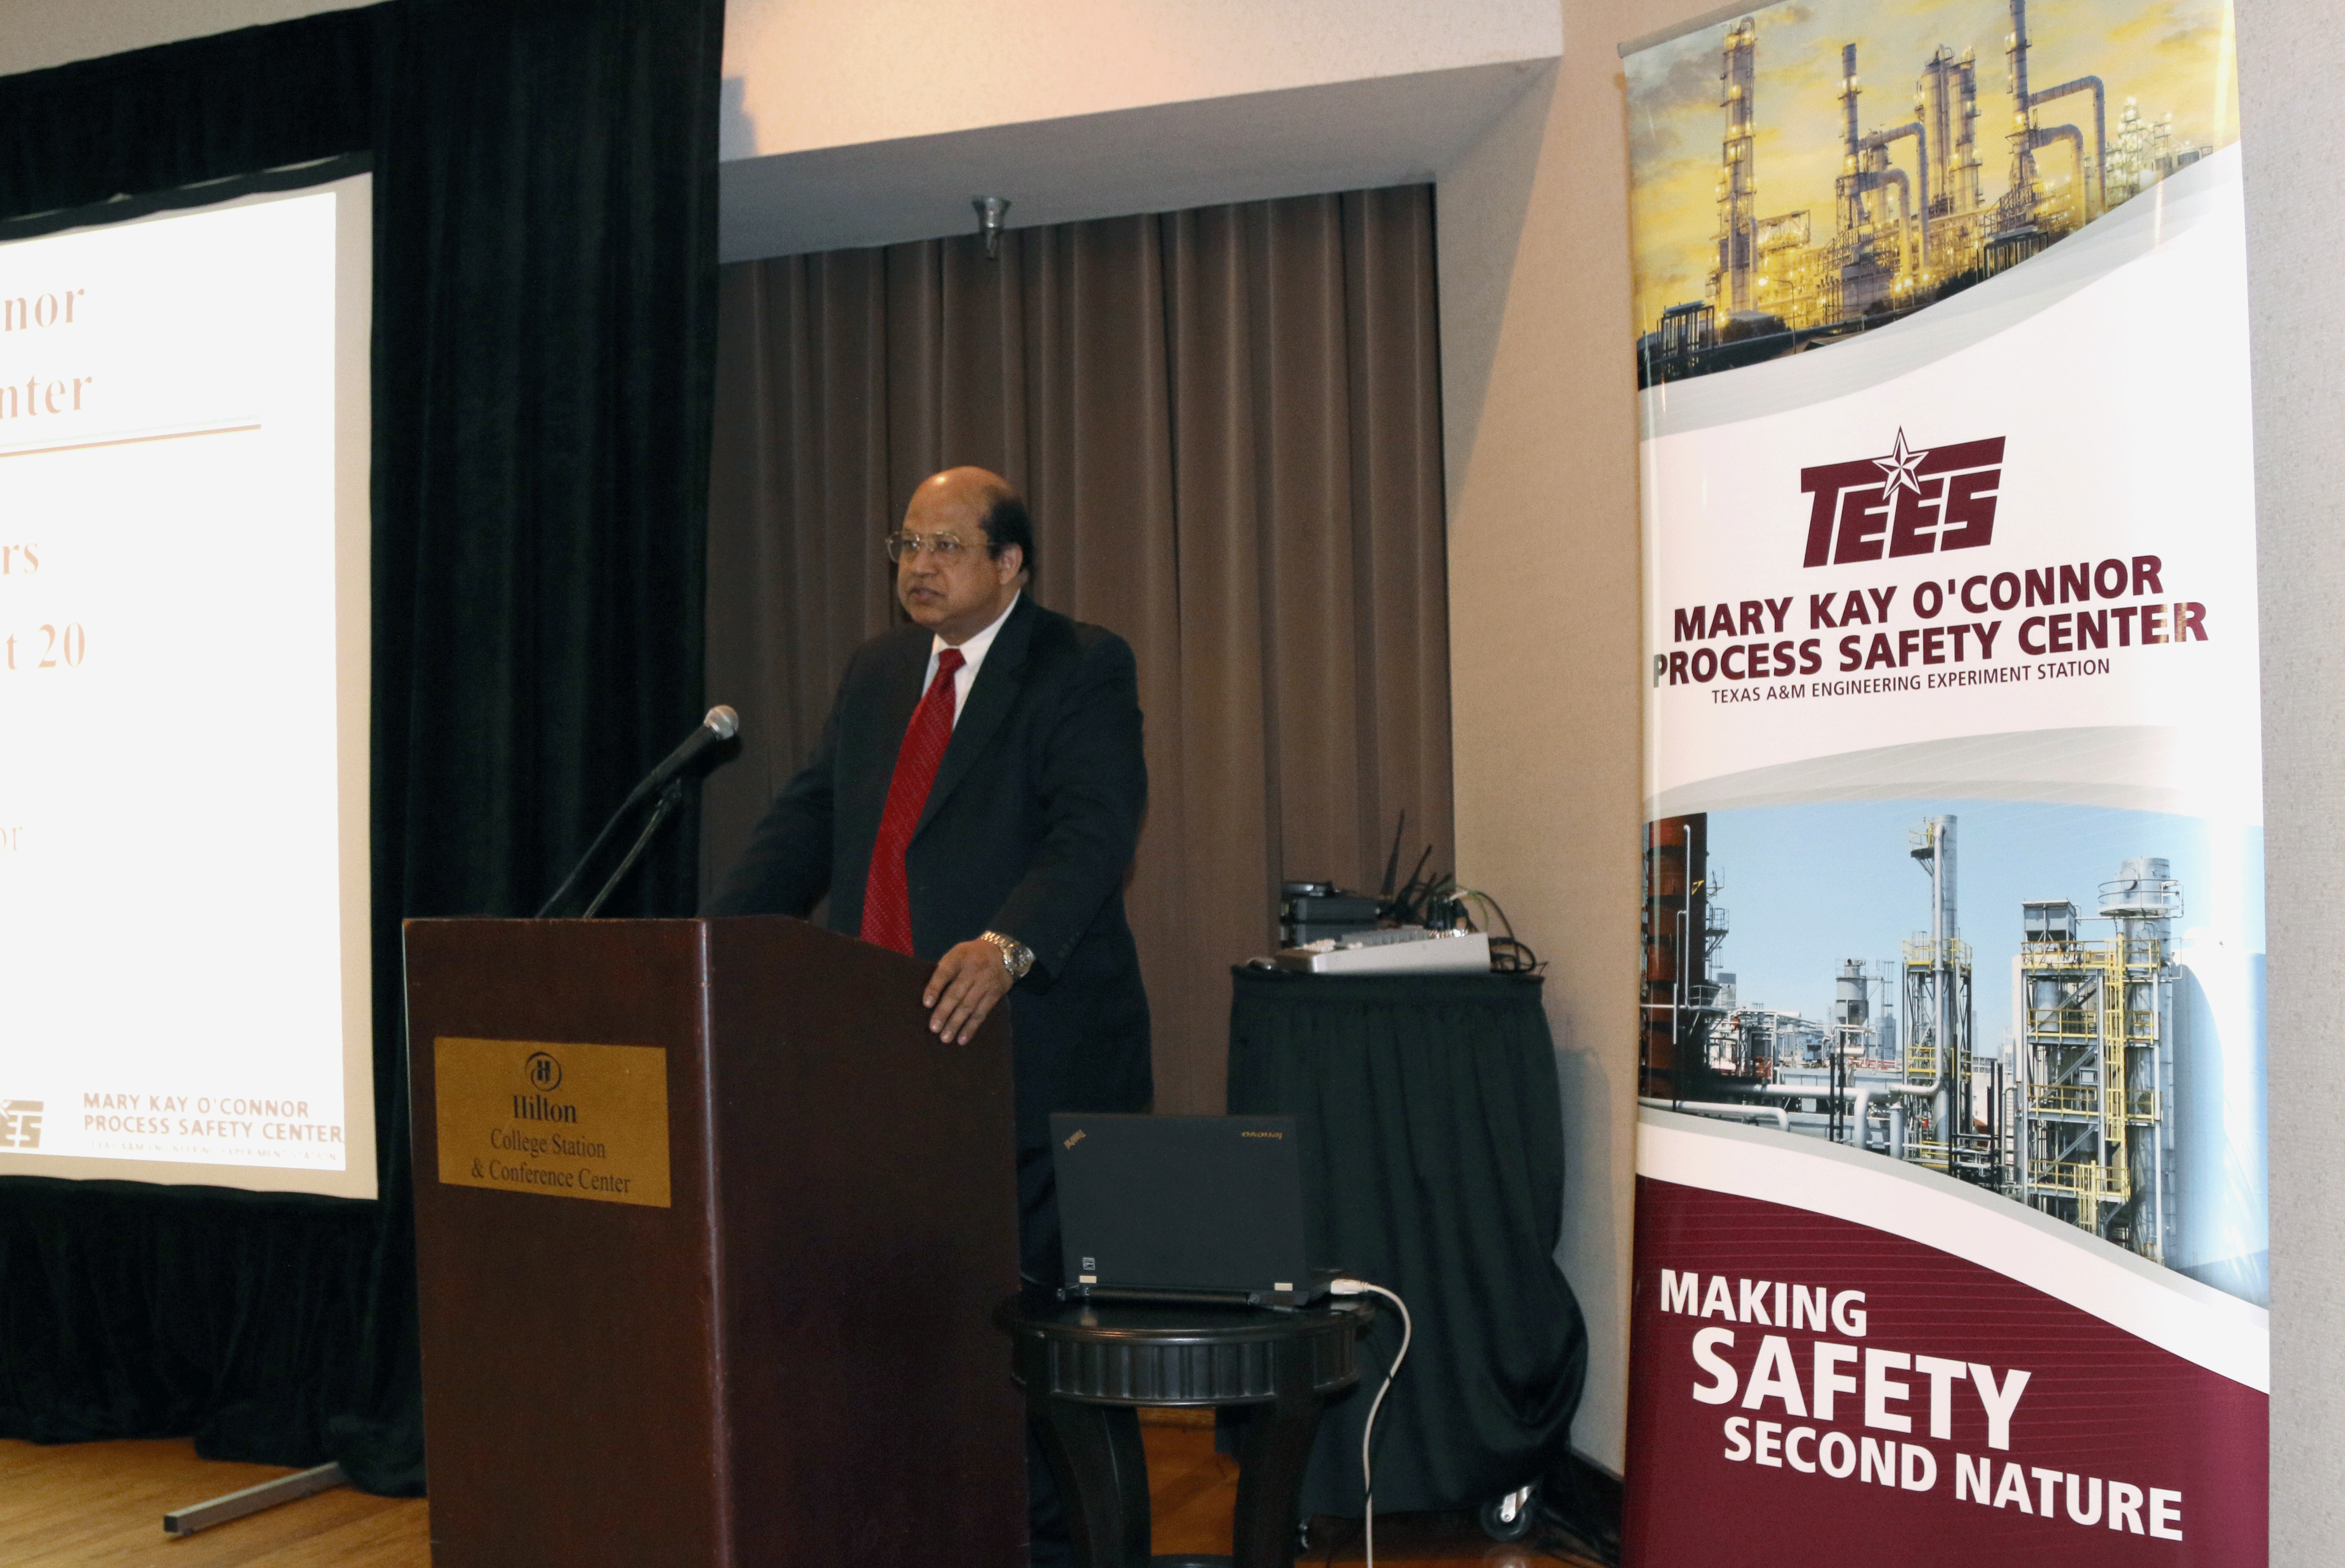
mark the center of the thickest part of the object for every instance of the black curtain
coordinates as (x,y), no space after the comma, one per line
(135,124)
(543,332)
(1435,1167)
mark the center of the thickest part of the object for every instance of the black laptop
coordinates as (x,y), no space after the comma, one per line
(1185,1208)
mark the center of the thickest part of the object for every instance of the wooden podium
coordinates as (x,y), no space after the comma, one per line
(708,1229)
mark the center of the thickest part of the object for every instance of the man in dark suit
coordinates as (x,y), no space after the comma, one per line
(1010,861)
(976,801)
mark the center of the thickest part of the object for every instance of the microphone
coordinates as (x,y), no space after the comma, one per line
(721,724)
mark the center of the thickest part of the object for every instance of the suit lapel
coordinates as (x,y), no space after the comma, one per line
(900,690)
(891,693)
(989,699)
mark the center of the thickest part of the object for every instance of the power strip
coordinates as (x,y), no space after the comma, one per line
(1383,952)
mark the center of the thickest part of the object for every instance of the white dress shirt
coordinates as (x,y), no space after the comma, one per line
(973,655)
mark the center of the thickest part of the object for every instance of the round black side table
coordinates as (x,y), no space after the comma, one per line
(1088,1368)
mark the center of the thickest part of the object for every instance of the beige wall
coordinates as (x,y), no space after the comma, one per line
(1540,396)
(811,74)
(35,34)
(2288,50)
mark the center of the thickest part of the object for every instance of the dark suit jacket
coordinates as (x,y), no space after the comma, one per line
(1029,830)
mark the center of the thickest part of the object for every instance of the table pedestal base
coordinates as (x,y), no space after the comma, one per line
(1087,1372)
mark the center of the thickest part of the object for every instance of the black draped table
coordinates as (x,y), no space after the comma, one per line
(1437,1170)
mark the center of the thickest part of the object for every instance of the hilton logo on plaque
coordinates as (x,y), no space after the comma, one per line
(605,1139)
(544,1072)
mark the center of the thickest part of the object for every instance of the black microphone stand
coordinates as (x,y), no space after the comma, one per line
(721,725)
(669,798)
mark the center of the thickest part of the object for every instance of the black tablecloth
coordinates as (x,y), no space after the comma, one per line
(1434,1167)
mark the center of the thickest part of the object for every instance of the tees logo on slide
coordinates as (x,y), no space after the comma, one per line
(20,1123)
(1910,502)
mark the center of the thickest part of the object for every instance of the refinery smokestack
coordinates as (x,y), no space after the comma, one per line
(1738,196)
(1935,853)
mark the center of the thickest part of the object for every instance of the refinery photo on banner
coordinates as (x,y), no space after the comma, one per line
(1951,1239)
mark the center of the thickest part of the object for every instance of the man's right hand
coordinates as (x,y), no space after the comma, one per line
(971,978)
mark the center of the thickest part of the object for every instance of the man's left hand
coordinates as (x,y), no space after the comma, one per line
(969,980)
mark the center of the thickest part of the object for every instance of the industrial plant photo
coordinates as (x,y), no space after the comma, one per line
(1813,171)
(2016,996)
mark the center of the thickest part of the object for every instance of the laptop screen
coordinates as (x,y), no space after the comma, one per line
(1183,1204)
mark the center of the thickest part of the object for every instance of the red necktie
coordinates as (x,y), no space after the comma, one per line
(887,901)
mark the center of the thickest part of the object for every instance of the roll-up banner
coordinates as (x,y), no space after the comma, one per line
(1951,1238)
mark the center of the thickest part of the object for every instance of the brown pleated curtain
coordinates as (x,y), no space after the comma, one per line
(1226,422)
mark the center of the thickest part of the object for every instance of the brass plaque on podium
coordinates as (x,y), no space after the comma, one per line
(555,1120)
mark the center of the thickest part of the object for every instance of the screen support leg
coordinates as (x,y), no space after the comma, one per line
(253,1498)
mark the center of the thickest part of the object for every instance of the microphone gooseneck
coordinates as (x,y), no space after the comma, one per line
(721,724)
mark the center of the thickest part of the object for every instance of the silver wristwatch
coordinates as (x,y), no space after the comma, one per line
(1016,956)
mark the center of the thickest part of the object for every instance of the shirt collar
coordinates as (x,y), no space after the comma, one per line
(972,652)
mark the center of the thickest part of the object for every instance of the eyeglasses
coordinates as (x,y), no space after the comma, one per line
(945,547)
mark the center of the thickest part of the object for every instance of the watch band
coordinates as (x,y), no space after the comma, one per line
(1016,956)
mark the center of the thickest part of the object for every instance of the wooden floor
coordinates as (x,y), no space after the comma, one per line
(97,1505)
(1192,1490)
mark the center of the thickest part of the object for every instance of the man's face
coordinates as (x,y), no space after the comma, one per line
(960,593)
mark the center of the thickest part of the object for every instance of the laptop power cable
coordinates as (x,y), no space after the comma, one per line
(1368,1428)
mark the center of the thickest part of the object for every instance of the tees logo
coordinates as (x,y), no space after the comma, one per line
(1913,500)
(20,1124)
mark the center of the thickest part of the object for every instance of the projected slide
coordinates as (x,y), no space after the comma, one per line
(184,966)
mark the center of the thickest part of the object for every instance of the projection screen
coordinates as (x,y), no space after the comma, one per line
(185,970)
